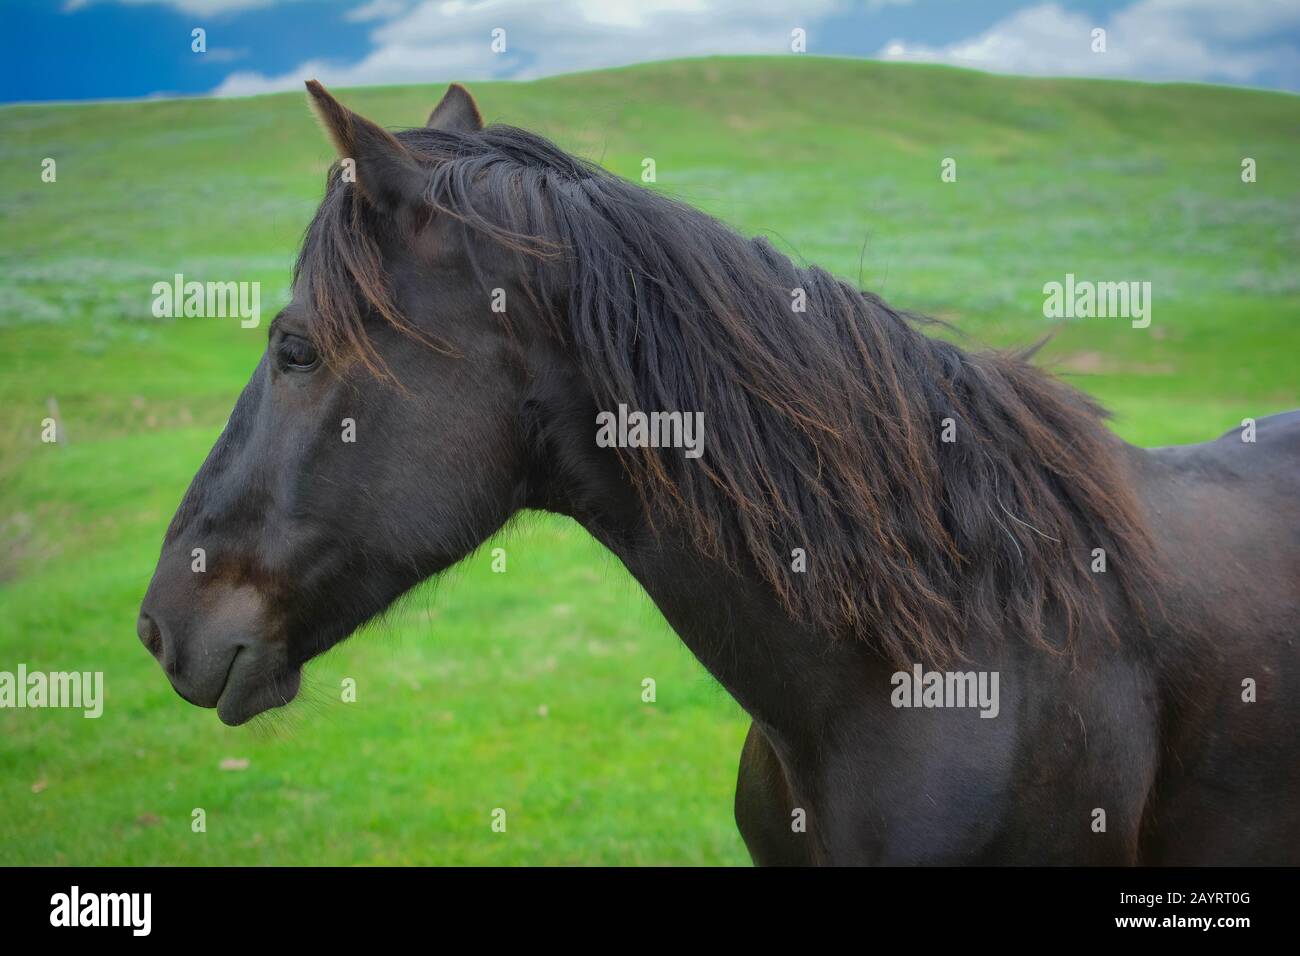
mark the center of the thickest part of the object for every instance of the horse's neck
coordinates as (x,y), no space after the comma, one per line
(732,623)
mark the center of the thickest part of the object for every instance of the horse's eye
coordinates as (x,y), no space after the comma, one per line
(296,354)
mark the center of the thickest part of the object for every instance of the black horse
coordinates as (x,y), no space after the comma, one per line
(970,624)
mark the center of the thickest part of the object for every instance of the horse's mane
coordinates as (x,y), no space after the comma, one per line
(824,427)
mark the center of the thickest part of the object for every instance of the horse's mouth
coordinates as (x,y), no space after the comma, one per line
(248,693)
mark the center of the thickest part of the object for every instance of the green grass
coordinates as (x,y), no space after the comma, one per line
(523,690)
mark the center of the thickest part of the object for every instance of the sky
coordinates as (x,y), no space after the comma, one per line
(120,49)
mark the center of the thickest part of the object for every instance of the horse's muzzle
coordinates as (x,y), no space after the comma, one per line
(216,651)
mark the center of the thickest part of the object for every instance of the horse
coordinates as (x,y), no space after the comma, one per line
(969,624)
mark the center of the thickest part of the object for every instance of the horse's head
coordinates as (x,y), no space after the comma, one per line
(379,440)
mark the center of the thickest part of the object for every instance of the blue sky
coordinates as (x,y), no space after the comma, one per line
(92,49)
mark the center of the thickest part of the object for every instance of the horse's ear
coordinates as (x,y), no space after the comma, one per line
(457,113)
(387,173)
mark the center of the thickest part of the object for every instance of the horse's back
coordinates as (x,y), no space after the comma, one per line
(1229,509)
(1226,516)
(1265,450)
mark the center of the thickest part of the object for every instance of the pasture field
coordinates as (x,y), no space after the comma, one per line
(522,690)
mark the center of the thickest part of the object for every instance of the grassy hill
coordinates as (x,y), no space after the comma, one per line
(522,690)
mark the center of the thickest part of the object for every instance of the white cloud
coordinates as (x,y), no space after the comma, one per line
(1152,39)
(450,39)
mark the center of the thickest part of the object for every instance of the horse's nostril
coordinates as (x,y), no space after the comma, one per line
(150,634)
